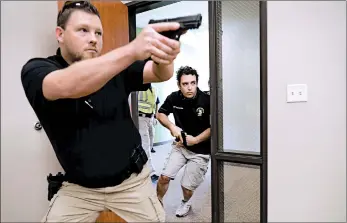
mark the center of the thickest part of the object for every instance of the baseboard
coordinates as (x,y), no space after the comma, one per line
(162,143)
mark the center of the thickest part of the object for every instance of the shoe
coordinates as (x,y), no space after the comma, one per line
(154,177)
(183,209)
(152,150)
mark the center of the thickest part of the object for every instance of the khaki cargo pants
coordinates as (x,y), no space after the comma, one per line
(196,166)
(134,200)
(146,129)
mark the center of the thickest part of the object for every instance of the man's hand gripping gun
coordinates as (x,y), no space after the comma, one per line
(186,23)
(184,138)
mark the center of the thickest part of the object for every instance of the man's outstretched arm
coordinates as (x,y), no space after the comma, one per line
(164,120)
(157,72)
(86,77)
(165,110)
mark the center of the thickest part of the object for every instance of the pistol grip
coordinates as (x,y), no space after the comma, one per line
(184,138)
(176,34)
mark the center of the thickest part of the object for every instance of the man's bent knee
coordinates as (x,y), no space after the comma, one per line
(86,206)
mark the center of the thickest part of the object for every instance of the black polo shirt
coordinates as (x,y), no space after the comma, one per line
(92,136)
(191,115)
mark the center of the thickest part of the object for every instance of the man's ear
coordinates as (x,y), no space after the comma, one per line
(59,34)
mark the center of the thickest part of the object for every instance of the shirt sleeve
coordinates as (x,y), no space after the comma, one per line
(167,107)
(32,75)
(133,77)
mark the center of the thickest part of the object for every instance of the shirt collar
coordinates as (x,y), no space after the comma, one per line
(60,58)
(198,91)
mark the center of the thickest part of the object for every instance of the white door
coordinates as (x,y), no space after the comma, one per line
(26,154)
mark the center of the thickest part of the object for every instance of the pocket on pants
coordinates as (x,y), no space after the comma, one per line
(51,202)
(158,208)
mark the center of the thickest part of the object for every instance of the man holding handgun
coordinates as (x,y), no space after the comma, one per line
(191,109)
(81,100)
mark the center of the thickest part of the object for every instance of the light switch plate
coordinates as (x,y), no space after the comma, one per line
(296,93)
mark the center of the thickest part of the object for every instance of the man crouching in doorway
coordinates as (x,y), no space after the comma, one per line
(191,110)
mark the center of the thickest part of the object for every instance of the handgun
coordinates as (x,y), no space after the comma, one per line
(186,23)
(54,184)
(184,135)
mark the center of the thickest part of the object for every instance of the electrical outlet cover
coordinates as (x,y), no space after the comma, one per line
(296,93)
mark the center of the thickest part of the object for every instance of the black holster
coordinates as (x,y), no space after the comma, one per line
(54,184)
(138,159)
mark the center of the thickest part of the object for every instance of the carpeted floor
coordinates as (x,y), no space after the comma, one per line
(241,193)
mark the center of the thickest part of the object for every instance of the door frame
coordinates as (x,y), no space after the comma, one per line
(219,157)
(135,7)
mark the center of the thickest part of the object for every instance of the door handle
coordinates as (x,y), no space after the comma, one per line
(38,126)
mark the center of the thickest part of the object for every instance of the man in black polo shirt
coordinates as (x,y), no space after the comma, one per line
(191,110)
(81,101)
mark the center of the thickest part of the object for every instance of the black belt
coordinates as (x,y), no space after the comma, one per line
(146,115)
(137,161)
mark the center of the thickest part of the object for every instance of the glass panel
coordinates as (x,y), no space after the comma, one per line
(239,88)
(241,193)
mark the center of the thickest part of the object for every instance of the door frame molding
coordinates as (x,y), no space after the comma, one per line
(218,157)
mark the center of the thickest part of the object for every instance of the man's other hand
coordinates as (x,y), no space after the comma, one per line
(150,44)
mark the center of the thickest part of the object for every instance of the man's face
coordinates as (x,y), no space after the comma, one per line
(82,37)
(188,85)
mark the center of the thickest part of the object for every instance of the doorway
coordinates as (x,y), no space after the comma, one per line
(238,88)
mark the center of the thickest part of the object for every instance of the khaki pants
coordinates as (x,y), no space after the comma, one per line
(196,166)
(146,129)
(134,200)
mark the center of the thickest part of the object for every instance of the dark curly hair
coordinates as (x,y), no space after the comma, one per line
(186,70)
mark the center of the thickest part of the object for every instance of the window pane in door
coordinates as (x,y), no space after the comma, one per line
(239,80)
(241,190)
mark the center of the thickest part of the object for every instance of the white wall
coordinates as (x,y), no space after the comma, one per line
(307,141)
(27,30)
(241,76)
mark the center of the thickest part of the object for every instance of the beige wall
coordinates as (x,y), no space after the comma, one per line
(27,30)
(307,141)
